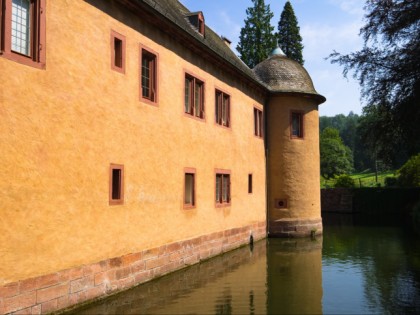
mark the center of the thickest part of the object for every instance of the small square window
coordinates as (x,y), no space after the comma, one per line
(117,52)
(116,184)
(189,188)
(296,125)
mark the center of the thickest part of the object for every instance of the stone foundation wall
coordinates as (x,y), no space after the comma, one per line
(67,288)
(295,227)
(339,200)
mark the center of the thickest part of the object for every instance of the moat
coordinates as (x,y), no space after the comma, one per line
(355,268)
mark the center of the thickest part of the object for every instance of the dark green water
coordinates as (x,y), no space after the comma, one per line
(356,268)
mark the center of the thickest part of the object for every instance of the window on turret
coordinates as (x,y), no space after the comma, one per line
(296,125)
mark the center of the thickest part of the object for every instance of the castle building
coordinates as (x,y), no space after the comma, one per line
(134,143)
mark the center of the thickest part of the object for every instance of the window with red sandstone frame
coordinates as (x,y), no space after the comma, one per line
(117,52)
(222,109)
(22,31)
(222,188)
(116,184)
(194,97)
(258,122)
(148,75)
(296,125)
(189,188)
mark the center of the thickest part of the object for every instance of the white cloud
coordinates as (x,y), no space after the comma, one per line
(353,7)
(321,39)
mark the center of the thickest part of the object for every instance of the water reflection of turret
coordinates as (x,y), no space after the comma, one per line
(294,276)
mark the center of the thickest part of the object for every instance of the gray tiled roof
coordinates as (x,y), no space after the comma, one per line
(177,13)
(281,74)
(276,74)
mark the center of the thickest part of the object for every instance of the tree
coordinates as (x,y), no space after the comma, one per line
(288,36)
(388,70)
(409,173)
(256,40)
(336,158)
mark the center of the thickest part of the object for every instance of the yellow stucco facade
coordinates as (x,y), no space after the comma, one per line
(62,127)
(64,123)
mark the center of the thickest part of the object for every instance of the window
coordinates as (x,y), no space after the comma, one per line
(194,97)
(189,188)
(222,188)
(148,76)
(249,183)
(258,122)
(117,52)
(197,20)
(22,31)
(222,109)
(296,125)
(116,184)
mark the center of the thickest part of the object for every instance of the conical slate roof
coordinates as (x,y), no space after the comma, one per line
(283,75)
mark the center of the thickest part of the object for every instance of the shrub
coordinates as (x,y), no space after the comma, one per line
(409,173)
(344,181)
(390,181)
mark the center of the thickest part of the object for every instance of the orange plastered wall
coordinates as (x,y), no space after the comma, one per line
(60,128)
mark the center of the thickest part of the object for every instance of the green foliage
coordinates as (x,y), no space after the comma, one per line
(289,38)
(350,132)
(388,70)
(344,181)
(256,40)
(391,181)
(409,173)
(336,158)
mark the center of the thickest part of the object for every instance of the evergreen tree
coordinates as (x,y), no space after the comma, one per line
(256,40)
(289,37)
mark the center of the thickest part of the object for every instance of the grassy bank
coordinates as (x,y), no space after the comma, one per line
(363,179)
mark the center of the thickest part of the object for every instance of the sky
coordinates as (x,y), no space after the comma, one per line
(325,26)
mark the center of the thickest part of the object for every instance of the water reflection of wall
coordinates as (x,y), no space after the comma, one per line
(228,283)
(294,276)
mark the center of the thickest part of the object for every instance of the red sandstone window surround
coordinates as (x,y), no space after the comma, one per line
(116,184)
(149,75)
(249,183)
(22,31)
(258,122)
(222,109)
(194,97)
(223,188)
(296,125)
(117,52)
(189,188)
